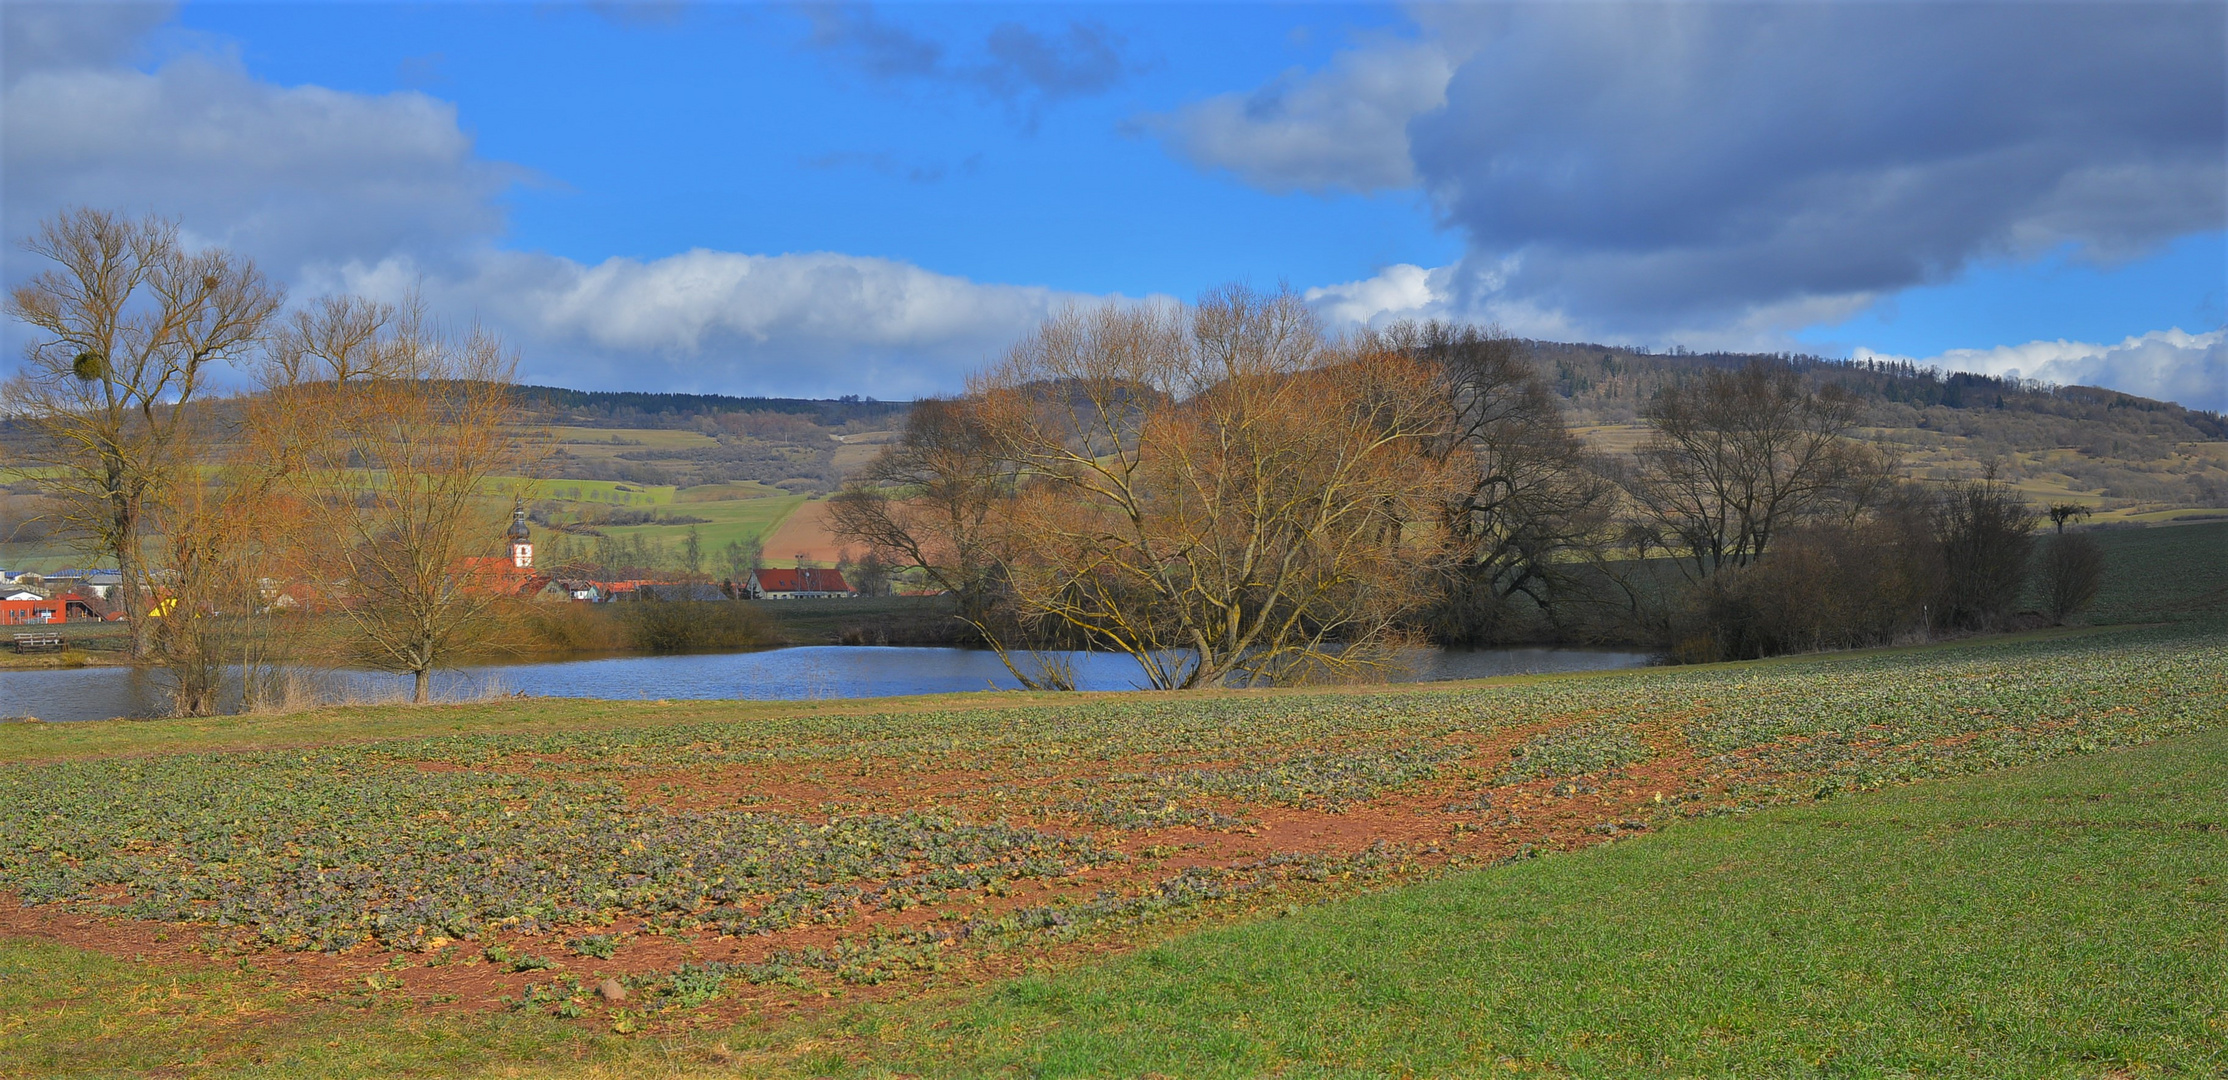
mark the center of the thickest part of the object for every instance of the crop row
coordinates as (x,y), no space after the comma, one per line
(322,852)
(410,842)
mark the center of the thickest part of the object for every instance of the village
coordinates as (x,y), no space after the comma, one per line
(35,606)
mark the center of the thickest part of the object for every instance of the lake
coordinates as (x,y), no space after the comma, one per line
(805,672)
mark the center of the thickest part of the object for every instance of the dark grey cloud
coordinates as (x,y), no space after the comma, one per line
(1662,161)
(1637,168)
(1020,66)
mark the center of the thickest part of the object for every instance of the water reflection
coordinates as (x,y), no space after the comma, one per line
(778,674)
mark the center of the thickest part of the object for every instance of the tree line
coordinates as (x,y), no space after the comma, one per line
(1230,494)
(356,473)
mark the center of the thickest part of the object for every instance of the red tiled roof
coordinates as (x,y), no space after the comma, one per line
(809,579)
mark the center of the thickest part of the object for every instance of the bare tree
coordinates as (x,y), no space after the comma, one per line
(219,542)
(2072,573)
(343,339)
(928,501)
(1987,535)
(1735,457)
(397,469)
(127,325)
(1216,491)
(1533,498)
(2061,513)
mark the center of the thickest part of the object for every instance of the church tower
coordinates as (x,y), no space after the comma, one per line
(522,539)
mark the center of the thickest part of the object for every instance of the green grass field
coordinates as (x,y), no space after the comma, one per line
(854,887)
(2065,920)
(729,520)
(2170,573)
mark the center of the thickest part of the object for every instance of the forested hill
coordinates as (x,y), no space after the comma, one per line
(2080,442)
(1602,384)
(1605,384)
(631,408)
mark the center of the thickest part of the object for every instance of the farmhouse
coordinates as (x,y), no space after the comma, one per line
(570,589)
(802,583)
(31,609)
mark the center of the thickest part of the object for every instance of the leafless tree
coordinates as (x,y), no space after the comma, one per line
(928,501)
(1987,535)
(127,324)
(344,339)
(1533,500)
(219,543)
(1735,457)
(1217,491)
(2072,567)
(397,468)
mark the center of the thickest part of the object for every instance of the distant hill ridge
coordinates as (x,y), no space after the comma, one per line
(1602,384)
(609,406)
(1614,380)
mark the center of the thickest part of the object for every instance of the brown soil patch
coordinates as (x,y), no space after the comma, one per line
(805,531)
(1463,817)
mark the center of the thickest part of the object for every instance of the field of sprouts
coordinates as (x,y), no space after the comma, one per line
(671,873)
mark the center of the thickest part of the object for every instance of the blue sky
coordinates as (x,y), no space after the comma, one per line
(721,127)
(849,199)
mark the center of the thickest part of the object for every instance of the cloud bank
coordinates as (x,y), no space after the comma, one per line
(1733,170)
(2169,365)
(818,324)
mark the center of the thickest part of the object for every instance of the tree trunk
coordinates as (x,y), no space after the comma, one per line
(136,600)
(425,686)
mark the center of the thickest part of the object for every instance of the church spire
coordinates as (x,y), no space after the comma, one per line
(521,538)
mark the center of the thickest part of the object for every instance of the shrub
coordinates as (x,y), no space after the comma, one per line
(1987,536)
(2072,571)
(1825,586)
(668,626)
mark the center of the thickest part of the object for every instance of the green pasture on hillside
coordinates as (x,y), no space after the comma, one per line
(732,520)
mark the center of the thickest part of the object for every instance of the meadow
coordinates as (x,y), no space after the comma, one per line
(856,886)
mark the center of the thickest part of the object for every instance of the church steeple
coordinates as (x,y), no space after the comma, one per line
(521,538)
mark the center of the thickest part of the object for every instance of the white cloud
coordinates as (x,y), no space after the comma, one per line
(1343,127)
(284,174)
(1400,291)
(1476,291)
(721,322)
(2170,365)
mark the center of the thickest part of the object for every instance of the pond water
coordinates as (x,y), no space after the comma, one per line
(831,671)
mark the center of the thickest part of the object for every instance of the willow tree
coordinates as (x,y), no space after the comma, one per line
(929,500)
(397,476)
(1217,490)
(126,327)
(1531,502)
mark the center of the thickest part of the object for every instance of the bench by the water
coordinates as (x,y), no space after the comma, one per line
(44,642)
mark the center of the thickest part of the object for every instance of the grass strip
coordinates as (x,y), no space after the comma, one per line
(2064,920)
